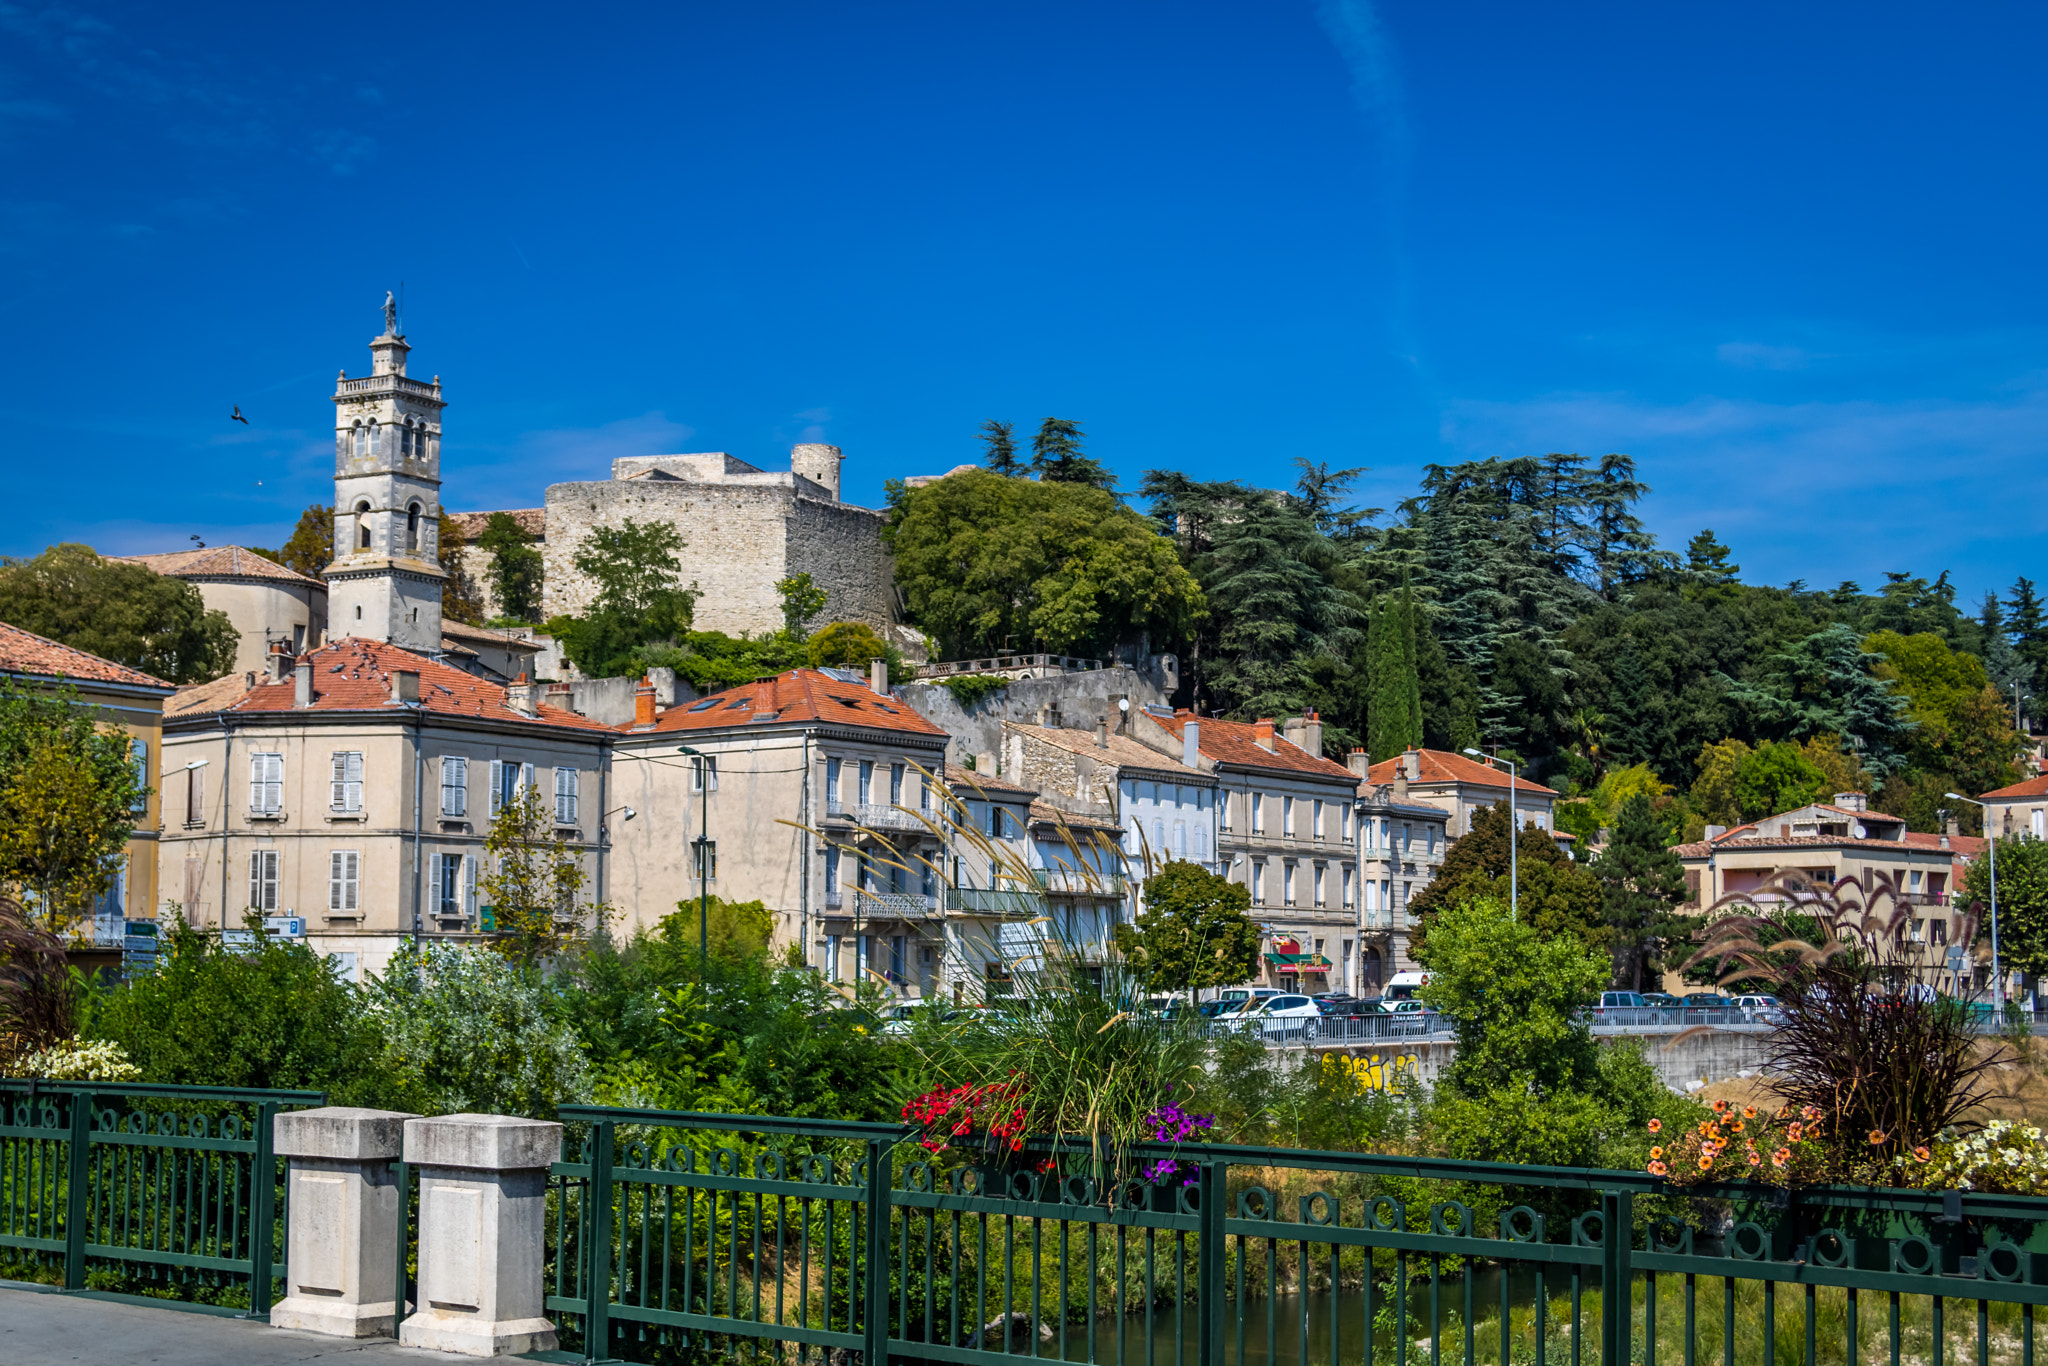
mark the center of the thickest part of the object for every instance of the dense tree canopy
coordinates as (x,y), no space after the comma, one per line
(118,611)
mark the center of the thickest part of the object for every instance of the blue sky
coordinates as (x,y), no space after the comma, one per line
(1790,258)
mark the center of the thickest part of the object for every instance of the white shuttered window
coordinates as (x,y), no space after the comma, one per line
(567,782)
(266,783)
(454,786)
(263,880)
(347,784)
(343,869)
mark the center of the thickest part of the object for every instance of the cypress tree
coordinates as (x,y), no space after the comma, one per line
(1394,708)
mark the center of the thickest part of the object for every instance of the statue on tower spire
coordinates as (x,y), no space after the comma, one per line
(390,315)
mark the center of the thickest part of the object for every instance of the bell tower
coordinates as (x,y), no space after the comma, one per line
(384,582)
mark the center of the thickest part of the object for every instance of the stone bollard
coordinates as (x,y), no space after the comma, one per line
(483,1215)
(341,1260)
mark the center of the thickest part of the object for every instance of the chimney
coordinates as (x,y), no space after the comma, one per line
(1852,801)
(878,676)
(561,696)
(1297,731)
(405,685)
(1191,744)
(1359,761)
(1312,734)
(280,662)
(1102,733)
(643,703)
(521,696)
(302,684)
(1715,832)
(1262,733)
(1411,765)
(1951,828)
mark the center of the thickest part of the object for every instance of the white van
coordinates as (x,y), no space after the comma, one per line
(1405,986)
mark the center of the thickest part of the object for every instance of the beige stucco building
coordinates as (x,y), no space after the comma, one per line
(265,602)
(354,786)
(2019,810)
(120,697)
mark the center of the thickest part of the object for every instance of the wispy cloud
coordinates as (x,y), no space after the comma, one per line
(1362,40)
(1805,489)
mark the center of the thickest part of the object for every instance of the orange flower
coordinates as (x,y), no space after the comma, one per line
(1656,1126)
(1656,1153)
(1749,1112)
(1877,1136)
(1706,1161)
(1754,1159)
(1920,1154)
(1781,1157)
(1809,1113)
(1720,1107)
(1738,1126)
(1795,1131)
(1658,1169)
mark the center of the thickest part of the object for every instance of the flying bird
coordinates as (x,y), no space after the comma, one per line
(238,416)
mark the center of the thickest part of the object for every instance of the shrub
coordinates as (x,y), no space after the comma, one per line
(2005,1157)
(75,1060)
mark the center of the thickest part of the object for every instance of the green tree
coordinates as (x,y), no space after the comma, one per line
(118,611)
(2022,905)
(459,600)
(1641,882)
(801,601)
(1825,685)
(853,645)
(1394,715)
(2027,620)
(640,602)
(1057,458)
(1738,783)
(988,564)
(271,1015)
(1194,932)
(310,546)
(465,1031)
(1517,999)
(1557,896)
(1001,457)
(535,874)
(70,799)
(514,568)
(1709,562)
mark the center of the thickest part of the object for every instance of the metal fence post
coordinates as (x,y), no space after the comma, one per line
(402,1177)
(1209,1241)
(875,1278)
(76,1203)
(597,1281)
(263,1211)
(1617,1218)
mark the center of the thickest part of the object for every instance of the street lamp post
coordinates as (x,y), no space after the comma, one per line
(1991,845)
(703,862)
(1514,837)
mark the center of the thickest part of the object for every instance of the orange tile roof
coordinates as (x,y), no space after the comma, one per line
(356,675)
(1962,846)
(1441,766)
(216,562)
(204,699)
(957,776)
(1237,743)
(25,652)
(2032,787)
(489,635)
(1725,845)
(799,695)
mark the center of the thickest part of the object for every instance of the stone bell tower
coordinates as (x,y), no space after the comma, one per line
(385,580)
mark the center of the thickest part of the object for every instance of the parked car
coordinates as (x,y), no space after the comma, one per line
(1406,986)
(1761,1009)
(1661,1000)
(1342,1003)
(1410,1016)
(1707,1000)
(1622,1000)
(1280,1017)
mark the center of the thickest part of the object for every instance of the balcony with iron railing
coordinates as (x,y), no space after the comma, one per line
(896,905)
(1006,901)
(875,815)
(1078,882)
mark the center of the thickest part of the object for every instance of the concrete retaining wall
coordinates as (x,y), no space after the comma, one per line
(1686,1064)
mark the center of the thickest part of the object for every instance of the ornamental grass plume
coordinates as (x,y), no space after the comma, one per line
(1864,1044)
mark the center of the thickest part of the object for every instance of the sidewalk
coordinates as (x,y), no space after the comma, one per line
(40,1326)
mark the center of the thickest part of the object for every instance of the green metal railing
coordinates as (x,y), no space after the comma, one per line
(134,1187)
(680,1237)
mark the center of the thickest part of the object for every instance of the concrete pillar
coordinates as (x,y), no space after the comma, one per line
(342,1250)
(483,1189)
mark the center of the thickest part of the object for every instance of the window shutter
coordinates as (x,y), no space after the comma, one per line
(256,878)
(497,785)
(352,779)
(335,860)
(526,776)
(351,870)
(469,884)
(436,895)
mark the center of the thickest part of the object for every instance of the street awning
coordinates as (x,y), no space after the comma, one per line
(1299,962)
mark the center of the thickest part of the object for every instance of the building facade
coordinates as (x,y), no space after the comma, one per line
(743,530)
(120,698)
(1285,829)
(2020,810)
(266,603)
(354,787)
(1401,845)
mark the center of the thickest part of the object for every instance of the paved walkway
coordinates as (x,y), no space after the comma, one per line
(40,1326)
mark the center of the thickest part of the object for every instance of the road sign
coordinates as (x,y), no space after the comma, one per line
(1955,958)
(285,926)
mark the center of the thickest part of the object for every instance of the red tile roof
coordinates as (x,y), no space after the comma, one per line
(217,562)
(1237,743)
(25,652)
(204,699)
(1725,845)
(1441,766)
(799,695)
(1962,846)
(1120,750)
(356,675)
(2032,787)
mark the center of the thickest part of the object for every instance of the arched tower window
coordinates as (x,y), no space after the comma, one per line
(372,430)
(405,440)
(412,526)
(363,525)
(356,439)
